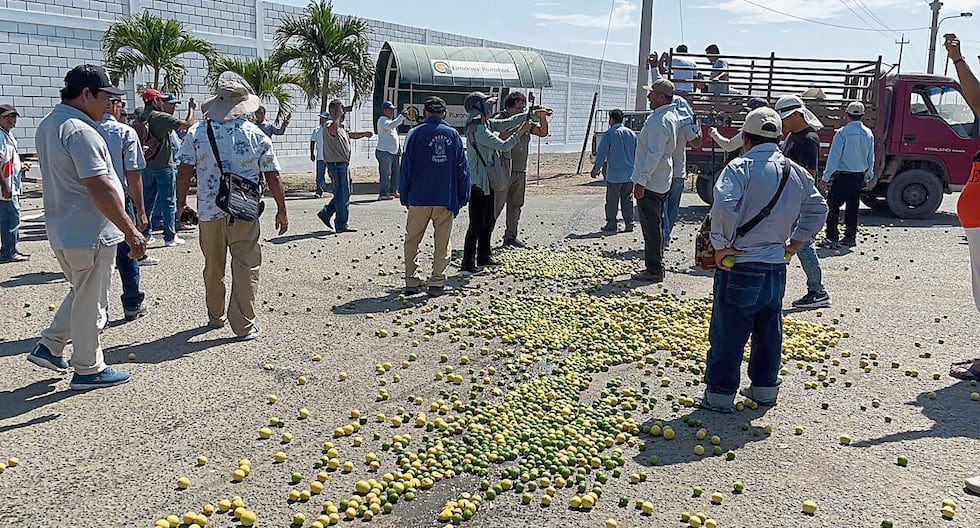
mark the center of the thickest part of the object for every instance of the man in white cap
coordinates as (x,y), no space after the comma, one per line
(803,147)
(388,151)
(652,174)
(850,164)
(246,151)
(763,208)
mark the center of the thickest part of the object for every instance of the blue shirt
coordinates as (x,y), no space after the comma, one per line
(124,147)
(747,185)
(688,130)
(616,148)
(434,171)
(853,150)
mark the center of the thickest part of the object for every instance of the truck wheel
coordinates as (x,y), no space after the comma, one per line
(704,187)
(874,201)
(915,193)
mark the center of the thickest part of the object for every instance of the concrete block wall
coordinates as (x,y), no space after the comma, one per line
(41,39)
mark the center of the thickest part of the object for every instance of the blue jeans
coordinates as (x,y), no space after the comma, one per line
(748,300)
(673,207)
(321,176)
(9,227)
(811,266)
(340,203)
(388,166)
(129,270)
(160,187)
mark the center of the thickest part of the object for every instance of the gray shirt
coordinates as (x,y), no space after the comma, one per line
(124,147)
(70,149)
(336,149)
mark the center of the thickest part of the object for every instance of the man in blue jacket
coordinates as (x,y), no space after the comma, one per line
(434,185)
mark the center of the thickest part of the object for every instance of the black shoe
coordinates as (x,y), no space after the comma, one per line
(813,300)
(346,230)
(325,218)
(608,228)
(471,270)
(628,228)
(412,290)
(132,315)
(437,291)
(848,241)
(828,243)
(487,263)
(514,242)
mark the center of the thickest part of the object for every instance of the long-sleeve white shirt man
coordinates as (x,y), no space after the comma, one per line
(653,168)
(388,133)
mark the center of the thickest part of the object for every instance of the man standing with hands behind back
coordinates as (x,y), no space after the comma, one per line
(336,152)
(85,217)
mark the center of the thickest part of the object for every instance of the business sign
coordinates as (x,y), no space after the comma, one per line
(473,69)
(455,114)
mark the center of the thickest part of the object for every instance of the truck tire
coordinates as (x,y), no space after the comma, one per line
(875,202)
(704,186)
(915,193)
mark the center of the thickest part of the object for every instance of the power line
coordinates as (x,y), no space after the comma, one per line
(828,24)
(866,9)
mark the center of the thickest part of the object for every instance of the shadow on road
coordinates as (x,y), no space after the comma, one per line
(13,348)
(286,239)
(25,399)
(392,302)
(733,429)
(167,348)
(35,278)
(950,412)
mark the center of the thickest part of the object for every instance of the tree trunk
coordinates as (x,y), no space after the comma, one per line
(156,78)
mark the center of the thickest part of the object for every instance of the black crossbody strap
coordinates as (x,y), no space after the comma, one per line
(767,210)
(472,137)
(214,149)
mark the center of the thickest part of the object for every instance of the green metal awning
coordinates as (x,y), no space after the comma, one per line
(418,64)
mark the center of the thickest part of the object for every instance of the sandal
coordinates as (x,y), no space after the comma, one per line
(968,370)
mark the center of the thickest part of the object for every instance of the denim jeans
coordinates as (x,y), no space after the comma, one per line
(748,301)
(388,166)
(9,227)
(340,203)
(129,270)
(811,266)
(673,207)
(651,209)
(159,187)
(321,176)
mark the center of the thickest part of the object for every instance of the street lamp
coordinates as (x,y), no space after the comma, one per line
(935,32)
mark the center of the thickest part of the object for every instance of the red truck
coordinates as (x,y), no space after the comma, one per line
(925,132)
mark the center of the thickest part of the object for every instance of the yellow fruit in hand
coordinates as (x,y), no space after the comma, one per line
(728,261)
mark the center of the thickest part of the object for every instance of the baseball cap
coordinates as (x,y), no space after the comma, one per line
(712,49)
(170,97)
(763,122)
(151,94)
(756,102)
(92,77)
(326,115)
(791,104)
(7,109)
(386,105)
(855,108)
(434,104)
(661,86)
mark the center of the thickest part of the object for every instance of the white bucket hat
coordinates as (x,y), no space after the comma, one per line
(790,104)
(231,100)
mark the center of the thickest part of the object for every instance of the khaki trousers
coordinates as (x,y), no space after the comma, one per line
(241,239)
(418,222)
(82,314)
(513,198)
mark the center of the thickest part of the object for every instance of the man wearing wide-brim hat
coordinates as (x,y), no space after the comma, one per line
(246,151)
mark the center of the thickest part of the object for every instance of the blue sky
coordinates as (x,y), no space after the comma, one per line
(737,26)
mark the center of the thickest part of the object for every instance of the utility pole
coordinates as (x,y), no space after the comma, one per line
(936,5)
(642,75)
(901,47)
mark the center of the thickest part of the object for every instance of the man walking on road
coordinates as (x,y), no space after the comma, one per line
(388,151)
(127,159)
(803,147)
(652,174)
(10,187)
(748,296)
(616,151)
(515,162)
(435,184)
(85,217)
(246,151)
(850,164)
(336,152)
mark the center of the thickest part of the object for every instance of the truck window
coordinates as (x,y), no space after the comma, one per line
(947,103)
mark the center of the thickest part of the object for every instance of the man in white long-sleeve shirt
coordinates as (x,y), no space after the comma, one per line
(748,295)
(652,173)
(388,152)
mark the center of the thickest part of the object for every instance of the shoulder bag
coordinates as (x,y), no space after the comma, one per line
(499,173)
(237,195)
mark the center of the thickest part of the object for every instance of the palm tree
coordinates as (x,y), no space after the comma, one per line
(147,41)
(263,76)
(319,42)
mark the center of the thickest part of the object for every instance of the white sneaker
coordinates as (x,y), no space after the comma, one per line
(177,241)
(150,240)
(149,261)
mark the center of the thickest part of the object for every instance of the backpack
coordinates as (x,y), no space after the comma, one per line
(151,145)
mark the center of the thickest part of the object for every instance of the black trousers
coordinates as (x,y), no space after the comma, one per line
(845,189)
(651,209)
(476,246)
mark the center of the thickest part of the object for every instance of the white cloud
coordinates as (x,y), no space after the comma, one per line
(624,16)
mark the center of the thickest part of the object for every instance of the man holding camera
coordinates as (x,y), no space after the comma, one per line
(388,152)
(336,152)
